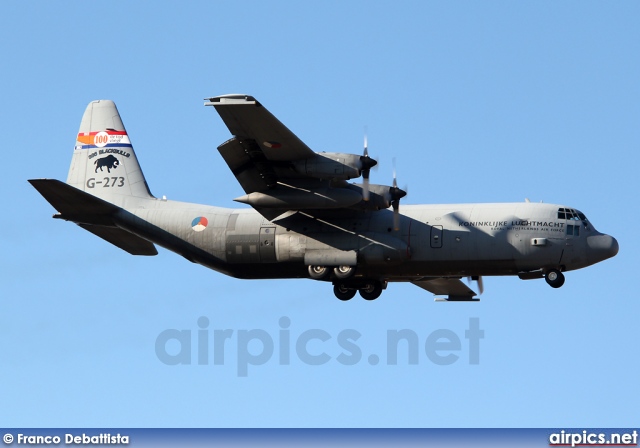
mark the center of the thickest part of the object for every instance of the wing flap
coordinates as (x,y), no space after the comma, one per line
(246,167)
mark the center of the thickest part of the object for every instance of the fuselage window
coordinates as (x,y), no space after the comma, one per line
(573,230)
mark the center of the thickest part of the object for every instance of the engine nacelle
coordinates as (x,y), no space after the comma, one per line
(322,198)
(331,165)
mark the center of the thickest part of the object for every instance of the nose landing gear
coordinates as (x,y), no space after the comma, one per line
(554,278)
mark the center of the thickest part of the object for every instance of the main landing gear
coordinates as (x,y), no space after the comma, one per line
(344,286)
(368,289)
(341,272)
(343,293)
(554,278)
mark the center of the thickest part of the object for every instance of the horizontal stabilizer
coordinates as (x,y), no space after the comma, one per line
(124,240)
(455,289)
(73,204)
(92,214)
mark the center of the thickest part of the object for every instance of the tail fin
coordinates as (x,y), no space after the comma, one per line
(104,163)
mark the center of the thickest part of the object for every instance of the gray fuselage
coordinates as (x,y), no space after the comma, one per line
(432,240)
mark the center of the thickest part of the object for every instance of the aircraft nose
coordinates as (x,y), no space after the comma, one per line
(601,247)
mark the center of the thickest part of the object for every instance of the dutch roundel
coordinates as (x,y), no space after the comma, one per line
(199,224)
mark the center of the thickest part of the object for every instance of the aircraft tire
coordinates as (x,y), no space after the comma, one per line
(554,278)
(371,291)
(318,272)
(342,272)
(343,293)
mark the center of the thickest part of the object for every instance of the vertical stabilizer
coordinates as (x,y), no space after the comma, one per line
(104,163)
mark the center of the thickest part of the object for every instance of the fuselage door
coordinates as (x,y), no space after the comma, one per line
(436,237)
(573,227)
(267,244)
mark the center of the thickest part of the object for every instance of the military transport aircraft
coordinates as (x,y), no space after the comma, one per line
(308,221)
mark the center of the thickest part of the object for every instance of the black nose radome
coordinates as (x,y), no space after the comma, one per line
(601,247)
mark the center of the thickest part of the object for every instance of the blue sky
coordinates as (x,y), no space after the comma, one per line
(476,101)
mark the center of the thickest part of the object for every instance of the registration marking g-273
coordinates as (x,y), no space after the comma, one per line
(106,182)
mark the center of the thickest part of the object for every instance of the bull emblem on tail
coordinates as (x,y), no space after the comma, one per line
(109,162)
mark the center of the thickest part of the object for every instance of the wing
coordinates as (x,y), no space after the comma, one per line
(454,288)
(252,123)
(261,154)
(280,173)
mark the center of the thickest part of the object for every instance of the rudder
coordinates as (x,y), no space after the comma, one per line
(104,163)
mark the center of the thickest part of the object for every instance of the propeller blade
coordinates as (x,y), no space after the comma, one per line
(365,185)
(396,214)
(393,163)
(396,194)
(366,145)
(366,164)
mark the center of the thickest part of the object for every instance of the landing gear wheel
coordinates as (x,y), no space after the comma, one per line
(343,293)
(371,291)
(318,272)
(554,278)
(343,271)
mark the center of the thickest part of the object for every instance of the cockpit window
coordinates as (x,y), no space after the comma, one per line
(584,219)
(561,214)
(571,214)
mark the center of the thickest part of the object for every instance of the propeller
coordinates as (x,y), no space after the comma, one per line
(396,194)
(366,164)
(478,279)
